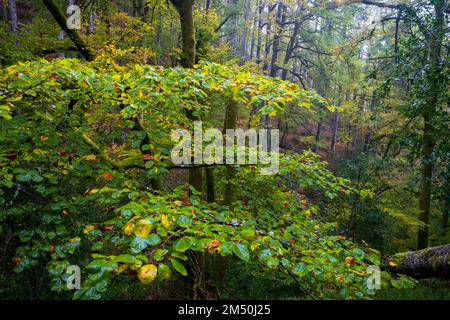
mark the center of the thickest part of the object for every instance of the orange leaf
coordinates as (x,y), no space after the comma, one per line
(185,201)
(213,244)
(108,176)
(146,156)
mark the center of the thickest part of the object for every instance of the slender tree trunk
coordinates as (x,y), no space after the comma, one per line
(230,122)
(4,11)
(91,28)
(210,185)
(317,138)
(13,15)
(267,43)
(243,49)
(290,50)
(277,38)
(335,131)
(259,27)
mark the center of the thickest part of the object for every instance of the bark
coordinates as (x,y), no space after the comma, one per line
(290,49)
(317,137)
(281,17)
(429,262)
(259,27)
(185,10)
(72,34)
(13,15)
(429,110)
(267,43)
(91,28)
(230,122)
(4,11)
(335,131)
(210,185)
(243,49)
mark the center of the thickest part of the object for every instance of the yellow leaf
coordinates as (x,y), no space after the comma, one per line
(90,157)
(89,228)
(142,228)
(76,239)
(392,264)
(93,191)
(359,273)
(147,273)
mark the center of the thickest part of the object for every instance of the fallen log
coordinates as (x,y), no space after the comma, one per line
(426,263)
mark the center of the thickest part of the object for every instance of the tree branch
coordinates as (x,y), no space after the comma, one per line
(72,34)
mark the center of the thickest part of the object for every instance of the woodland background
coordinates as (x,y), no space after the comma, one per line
(357,88)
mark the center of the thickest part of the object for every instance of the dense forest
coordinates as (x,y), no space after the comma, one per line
(235,149)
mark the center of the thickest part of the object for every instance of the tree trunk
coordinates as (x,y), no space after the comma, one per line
(185,9)
(429,110)
(259,27)
(13,15)
(243,48)
(317,138)
(290,49)
(335,131)
(73,35)
(277,39)
(429,262)
(231,117)
(210,186)
(4,11)
(91,28)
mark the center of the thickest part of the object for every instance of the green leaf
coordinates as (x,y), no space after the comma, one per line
(138,244)
(181,245)
(177,265)
(97,246)
(159,254)
(184,221)
(102,265)
(153,240)
(164,272)
(299,269)
(126,258)
(241,251)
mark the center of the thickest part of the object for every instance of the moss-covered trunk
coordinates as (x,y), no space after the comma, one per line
(430,262)
(185,9)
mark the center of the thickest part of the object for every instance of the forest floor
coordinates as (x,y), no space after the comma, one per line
(427,289)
